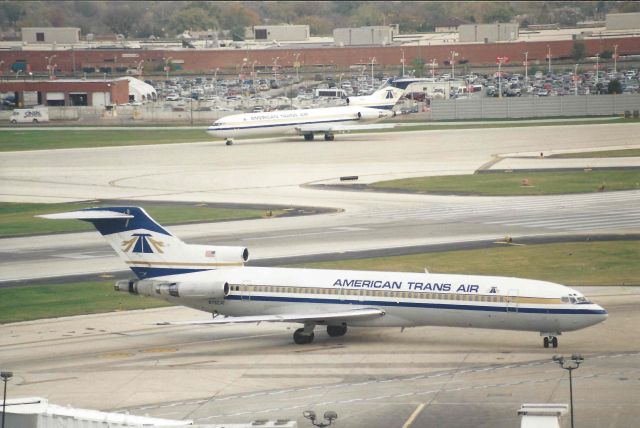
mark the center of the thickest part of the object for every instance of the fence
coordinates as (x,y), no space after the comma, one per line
(525,107)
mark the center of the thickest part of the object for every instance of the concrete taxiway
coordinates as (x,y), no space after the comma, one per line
(273,173)
(371,377)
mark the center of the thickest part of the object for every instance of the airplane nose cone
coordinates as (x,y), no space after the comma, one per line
(603,315)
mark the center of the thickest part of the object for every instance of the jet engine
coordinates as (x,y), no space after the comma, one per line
(216,289)
(372,114)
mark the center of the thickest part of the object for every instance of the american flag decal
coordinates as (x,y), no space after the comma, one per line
(210,253)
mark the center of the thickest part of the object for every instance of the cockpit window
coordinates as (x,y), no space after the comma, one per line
(575,300)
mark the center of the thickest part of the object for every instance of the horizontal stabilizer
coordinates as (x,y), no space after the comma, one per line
(318,317)
(86,215)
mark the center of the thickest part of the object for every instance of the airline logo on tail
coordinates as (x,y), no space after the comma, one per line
(142,243)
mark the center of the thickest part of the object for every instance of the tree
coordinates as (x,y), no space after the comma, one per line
(193,19)
(318,25)
(497,12)
(12,12)
(614,87)
(121,19)
(237,16)
(578,51)
(366,15)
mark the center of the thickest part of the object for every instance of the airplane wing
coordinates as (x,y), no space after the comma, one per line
(343,128)
(318,317)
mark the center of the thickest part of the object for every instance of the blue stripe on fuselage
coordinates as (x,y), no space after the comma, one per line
(242,127)
(518,309)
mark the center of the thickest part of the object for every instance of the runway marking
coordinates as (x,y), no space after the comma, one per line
(422,393)
(397,379)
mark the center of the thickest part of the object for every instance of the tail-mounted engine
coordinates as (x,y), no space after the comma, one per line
(215,289)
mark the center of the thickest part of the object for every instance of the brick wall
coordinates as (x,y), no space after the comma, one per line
(206,61)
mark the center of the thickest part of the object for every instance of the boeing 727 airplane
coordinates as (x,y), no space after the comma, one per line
(214,279)
(306,122)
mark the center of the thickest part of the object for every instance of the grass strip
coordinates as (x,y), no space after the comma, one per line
(577,263)
(27,139)
(60,300)
(574,263)
(518,183)
(19,220)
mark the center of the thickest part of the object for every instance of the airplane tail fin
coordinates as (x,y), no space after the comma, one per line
(149,249)
(384,98)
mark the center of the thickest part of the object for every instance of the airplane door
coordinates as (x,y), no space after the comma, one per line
(512,301)
(245,291)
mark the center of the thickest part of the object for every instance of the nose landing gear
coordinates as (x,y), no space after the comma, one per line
(550,340)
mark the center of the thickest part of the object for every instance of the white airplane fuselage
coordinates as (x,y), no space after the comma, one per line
(408,299)
(214,279)
(289,122)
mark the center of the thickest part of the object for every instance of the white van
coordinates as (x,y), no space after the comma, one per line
(29,115)
(333,93)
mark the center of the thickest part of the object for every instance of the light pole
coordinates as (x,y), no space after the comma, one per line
(549,57)
(329,415)
(597,67)
(215,81)
(372,60)
(615,59)
(575,79)
(433,64)
(500,76)
(569,364)
(402,61)
(526,67)
(167,67)
(296,64)
(240,75)
(454,54)
(49,65)
(275,69)
(5,378)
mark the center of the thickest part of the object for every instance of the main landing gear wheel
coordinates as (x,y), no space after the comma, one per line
(329,137)
(308,137)
(552,340)
(336,330)
(302,338)
(228,142)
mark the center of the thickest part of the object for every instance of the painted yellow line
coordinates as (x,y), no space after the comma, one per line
(413,416)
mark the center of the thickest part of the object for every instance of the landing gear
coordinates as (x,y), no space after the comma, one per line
(303,336)
(308,137)
(550,340)
(329,136)
(228,142)
(336,330)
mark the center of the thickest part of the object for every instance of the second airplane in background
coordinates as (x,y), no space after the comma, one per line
(357,116)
